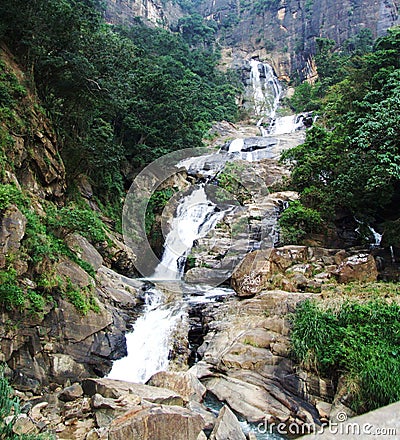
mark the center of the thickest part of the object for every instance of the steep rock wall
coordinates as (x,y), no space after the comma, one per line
(283,32)
(156,12)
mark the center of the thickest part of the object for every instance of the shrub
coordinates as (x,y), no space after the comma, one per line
(82,299)
(11,295)
(10,194)
(297,221)
(73,219)
(358,339)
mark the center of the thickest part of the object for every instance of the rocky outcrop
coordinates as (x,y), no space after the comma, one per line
(227,426)
(300,268)
(157,13)
(33,159)
(62,344)
(12,230)
(245,361)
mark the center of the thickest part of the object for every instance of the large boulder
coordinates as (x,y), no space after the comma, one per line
(360,267)
(183,383)
(116,388)
(161,423)
(227,426)
(256,270)
(70,272)
(251,401)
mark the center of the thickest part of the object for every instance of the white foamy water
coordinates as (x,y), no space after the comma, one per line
(194,218)
(149,343)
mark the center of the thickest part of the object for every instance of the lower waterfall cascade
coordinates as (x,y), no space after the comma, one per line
(149,344)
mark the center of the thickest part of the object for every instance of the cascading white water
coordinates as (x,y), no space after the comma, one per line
(194,218)
(377,237)
(149,343)
(287,124)
(266,89)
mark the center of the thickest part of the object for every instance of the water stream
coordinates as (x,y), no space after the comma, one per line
(195,216)
(148,350)
(149,344)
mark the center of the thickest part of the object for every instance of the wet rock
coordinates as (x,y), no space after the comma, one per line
(250,401)
(185,384)
(71,393)
(117,388)
(161,423)
(227,426)
(84,250)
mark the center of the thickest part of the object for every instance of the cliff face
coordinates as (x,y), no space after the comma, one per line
(283,32)
(157,12)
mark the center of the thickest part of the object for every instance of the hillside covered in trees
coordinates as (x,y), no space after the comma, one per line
(118,97)
(350,161)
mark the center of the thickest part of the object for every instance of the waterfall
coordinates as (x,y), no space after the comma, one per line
(377,237)
(195,217)
(287,124)
(149,343)
(266,89)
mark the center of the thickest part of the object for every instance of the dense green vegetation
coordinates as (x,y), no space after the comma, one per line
(358,340)
(44,241)
(117,95)
(298,221)
(350,160)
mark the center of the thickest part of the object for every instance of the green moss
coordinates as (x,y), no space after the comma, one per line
(81,298)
